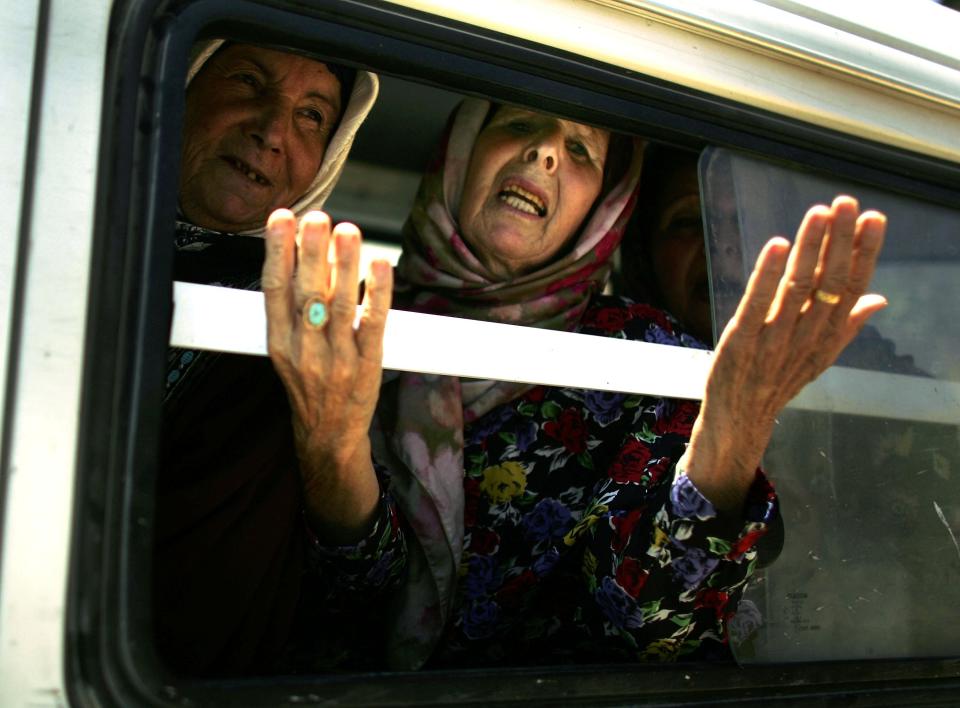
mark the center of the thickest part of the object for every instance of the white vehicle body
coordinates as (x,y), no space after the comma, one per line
(884,72)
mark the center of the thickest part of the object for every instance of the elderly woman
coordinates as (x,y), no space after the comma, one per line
(264,128)
(483,522)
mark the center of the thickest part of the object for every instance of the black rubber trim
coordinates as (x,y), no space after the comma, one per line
(110,660)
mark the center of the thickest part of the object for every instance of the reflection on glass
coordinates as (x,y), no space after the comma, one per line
(870,493)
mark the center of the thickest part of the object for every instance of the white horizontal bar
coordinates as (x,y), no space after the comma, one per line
(223,319)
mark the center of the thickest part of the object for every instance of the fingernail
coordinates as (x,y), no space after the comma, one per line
(277,218)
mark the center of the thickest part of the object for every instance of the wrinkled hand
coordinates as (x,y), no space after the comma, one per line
(331,373)
(782,336)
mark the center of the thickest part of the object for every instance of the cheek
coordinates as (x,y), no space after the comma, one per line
(304,166)
(671,264)
(578,196)
(475,191)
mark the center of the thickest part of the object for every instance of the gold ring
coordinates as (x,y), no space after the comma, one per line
(824,296)
(316,312)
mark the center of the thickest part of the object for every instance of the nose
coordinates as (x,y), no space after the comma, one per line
(544,151)
(269,127)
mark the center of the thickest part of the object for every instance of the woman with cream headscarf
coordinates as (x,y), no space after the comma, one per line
(264,128)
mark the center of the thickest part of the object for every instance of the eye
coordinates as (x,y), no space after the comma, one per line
(248,79)
(520,126)
(578,149)
(314,115)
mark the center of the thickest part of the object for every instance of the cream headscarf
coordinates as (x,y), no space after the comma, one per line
(364,93)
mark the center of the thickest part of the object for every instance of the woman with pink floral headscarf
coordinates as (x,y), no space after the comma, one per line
(461,522)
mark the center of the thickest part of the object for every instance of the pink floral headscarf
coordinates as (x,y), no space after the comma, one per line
(418,431)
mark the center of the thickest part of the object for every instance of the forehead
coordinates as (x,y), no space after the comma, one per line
(308,74)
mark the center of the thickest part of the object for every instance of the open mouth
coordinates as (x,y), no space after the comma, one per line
(522,200)
(245,169)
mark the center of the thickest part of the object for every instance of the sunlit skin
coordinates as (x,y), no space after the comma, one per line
(255,111)
(531,181)
(678,256)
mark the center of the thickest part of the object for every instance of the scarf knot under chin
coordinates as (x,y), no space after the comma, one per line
(418,431)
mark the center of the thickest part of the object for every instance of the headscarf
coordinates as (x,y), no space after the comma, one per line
(418,430)
(362,96)
(234,260)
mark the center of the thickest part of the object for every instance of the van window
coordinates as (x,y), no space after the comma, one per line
(427,63)
(867,460)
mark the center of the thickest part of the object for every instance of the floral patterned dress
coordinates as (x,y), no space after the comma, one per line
(582,542)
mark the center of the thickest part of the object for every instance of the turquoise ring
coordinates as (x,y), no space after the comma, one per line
(316,312)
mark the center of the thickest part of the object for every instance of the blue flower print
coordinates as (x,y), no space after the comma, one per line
(480,619)
(489,424)
(605,406)
(526,434)
(688,502)
(482,575)
(658,335)
(547,521)
(693,567)
(546,561)
(620,608)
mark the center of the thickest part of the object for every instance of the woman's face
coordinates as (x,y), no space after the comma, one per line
(257,124)
(531,180)
(678,255)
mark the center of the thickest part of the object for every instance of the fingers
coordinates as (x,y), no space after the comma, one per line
(762,287)
(376,304)
(276,276)
(795,288)
(834,269)
(344,285)
(313,267)
(868,239)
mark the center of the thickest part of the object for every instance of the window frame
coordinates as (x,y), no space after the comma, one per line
(109,655)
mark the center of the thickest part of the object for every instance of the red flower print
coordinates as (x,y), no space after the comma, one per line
(484,542)
(745,543)
(511,592)
(630,463)
(569,430)
(680,421)
(536,394)
(610,319)
(651,314)
(710,597)
(654,472)
(622,529)
(631,576)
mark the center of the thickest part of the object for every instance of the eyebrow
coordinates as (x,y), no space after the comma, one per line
(334,107)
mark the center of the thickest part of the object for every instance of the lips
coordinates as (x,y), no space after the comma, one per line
(523,199)
(245,169)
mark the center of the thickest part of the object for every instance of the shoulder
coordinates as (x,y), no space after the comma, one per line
(622,318)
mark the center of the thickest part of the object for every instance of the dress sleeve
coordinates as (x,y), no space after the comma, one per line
(666,570)
(374,564)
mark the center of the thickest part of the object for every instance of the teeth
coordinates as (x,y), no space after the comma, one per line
(249,173)
(520,204)
(521,199)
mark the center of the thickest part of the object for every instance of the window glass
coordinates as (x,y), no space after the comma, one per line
(867,460)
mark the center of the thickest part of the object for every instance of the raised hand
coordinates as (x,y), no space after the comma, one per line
(803,304)
(330,370)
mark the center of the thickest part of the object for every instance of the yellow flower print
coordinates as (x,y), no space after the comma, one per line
(583,526)
(501,483)
(661,650)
